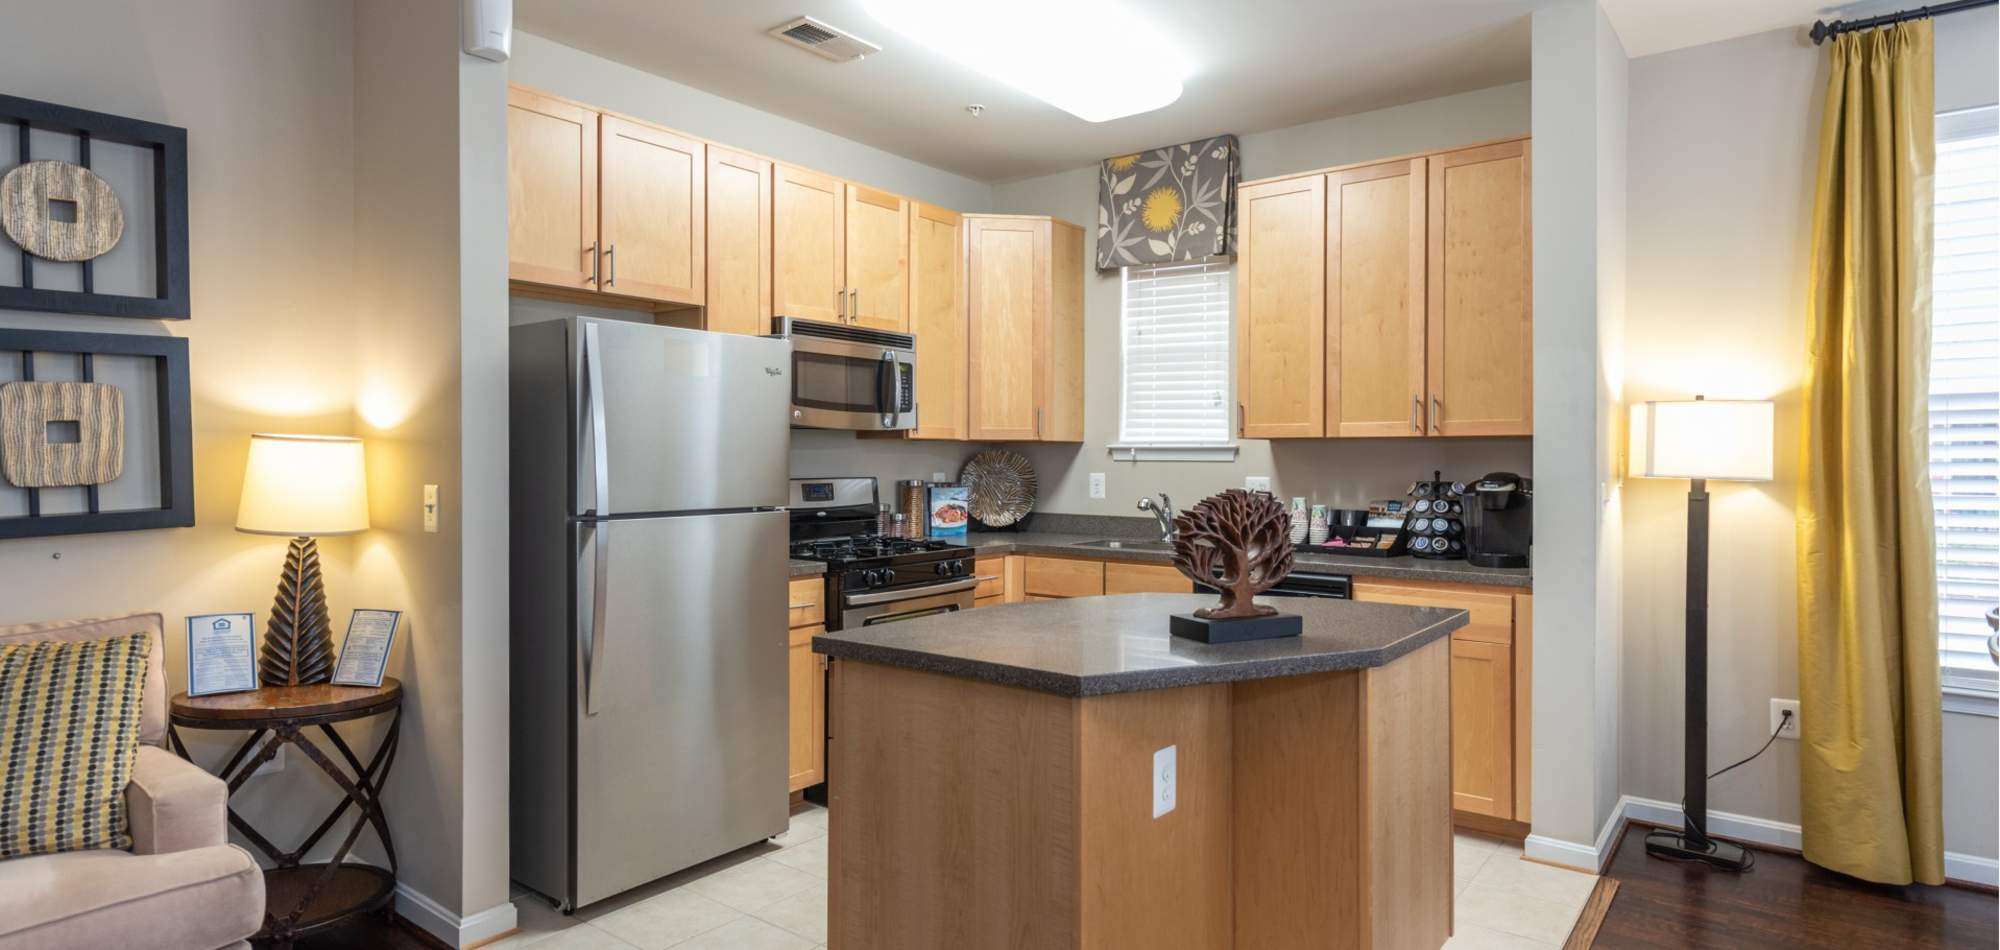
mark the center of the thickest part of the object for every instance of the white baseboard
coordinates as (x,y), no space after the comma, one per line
(1587,858)
(454,930)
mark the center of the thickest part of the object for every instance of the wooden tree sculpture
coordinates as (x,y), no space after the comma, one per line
(1249,535)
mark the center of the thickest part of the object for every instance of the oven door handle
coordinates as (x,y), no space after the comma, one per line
(908,593)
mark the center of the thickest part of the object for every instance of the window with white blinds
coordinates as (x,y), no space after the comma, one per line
(1176,345)
(1965,391)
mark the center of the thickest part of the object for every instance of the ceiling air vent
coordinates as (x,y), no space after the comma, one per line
(825,39)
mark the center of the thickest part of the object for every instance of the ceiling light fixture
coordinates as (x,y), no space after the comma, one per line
(1097,60)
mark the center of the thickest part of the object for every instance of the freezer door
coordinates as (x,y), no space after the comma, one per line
(684,757)
(678,420)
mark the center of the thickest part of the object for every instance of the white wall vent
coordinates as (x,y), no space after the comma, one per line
(825,39)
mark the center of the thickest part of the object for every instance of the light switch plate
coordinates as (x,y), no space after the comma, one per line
(1097,484)
(430,509)
(1166,785)
(1778,707)
(1260,483)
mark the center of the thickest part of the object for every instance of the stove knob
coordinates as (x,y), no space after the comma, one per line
(942,568)
(874,577)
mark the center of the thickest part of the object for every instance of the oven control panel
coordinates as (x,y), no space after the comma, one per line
(904,575)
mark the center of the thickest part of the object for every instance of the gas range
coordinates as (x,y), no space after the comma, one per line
(870,578)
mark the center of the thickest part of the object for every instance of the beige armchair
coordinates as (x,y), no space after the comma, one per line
(182,885)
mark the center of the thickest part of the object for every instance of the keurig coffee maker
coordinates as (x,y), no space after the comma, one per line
(1499,520)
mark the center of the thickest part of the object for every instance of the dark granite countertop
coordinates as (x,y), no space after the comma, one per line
(1092,646)
(807,568)
(1395,568)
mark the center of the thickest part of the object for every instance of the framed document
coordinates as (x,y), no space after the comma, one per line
(221,654)
(364,654)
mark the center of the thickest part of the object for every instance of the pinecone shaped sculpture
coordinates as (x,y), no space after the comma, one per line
(298,640)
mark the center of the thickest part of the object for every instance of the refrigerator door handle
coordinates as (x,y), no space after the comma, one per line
(593,372)
(593,622)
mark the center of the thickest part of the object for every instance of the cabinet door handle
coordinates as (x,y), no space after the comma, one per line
(611,266)
(1038,422)
(840,305)
(1416,406)
(1437,413)
(854,305)
(804,605)
(592,251)
(1241,420)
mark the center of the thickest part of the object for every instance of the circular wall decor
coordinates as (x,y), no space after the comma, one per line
(1002,486)
(60,211)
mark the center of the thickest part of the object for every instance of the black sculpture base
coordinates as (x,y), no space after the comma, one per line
(1191,627)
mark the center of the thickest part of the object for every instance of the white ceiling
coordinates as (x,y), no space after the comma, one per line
(1260,64)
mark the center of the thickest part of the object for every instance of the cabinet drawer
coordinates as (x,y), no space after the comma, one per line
(1063,577)
(808,596)
(992,572)
(1492,612)
(1126,578)
(978,602)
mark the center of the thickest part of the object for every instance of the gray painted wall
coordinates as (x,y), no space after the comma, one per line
(1724,140)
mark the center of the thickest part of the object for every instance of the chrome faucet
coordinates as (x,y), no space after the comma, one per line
(1163,512)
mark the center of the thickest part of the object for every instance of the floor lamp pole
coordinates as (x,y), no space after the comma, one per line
(1692,843)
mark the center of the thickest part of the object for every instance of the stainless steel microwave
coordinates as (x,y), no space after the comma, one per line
(848,377)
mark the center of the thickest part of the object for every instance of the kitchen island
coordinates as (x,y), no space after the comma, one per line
(1067,775)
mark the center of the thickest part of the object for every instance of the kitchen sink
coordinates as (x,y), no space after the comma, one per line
(1123,544)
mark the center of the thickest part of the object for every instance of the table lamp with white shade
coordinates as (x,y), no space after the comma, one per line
(1699,440)
(303,487)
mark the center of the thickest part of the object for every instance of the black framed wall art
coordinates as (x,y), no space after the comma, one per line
(93,213)
(95,433)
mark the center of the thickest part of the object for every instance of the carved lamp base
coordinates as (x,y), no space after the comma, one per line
(298,639)
(1236,630)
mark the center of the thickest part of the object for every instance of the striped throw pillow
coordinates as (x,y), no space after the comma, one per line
(69,732)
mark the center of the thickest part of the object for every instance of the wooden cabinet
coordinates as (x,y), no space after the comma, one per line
(1281,309)
(1480,298)
(808,234)
(1123,577)
(739,243)
(1387,299)
(1025,329)
(1375,300)
(878,259)
(1491,677)
(651,200)
(551,191)
(805,692)
(1054,577)
(938,319)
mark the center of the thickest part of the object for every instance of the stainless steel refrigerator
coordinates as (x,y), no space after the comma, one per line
(649,582)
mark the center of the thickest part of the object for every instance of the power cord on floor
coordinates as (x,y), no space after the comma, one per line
(1749,856)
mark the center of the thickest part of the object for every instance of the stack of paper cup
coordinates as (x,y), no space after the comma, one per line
(1318,530)
(1300,521)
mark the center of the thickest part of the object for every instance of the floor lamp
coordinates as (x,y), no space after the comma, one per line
(1699,440)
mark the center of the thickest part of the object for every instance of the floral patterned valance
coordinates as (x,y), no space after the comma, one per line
(1168,204)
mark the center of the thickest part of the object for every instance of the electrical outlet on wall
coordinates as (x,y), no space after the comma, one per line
(1778,709)
(1165,783)
(1097,484)
(431,508)
(1260,483)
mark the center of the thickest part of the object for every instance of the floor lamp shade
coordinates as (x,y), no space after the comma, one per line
(1699,439)
(304,486)
(1722,439)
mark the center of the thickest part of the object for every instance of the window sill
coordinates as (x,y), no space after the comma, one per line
(1971,702)
(1173,453)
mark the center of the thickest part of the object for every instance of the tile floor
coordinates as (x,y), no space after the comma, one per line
(772,896)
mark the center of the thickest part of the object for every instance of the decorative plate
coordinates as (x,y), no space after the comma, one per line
(1002,484)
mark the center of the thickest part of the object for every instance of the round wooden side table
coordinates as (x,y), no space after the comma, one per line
(300,898)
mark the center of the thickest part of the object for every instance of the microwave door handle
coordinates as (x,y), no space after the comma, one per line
(886,402)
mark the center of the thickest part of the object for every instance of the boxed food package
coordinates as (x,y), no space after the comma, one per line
(950,510)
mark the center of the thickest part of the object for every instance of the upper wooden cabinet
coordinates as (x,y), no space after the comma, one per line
(739,243)
(878,259)
(1024,283)
(551,191)
(1281,309)
(604,204)
(808,238)
(652,218)
(938,320)
(1481,301)
(1387,299)
(1375,300)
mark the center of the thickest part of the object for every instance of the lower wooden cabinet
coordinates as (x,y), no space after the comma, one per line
(805,692)
(1048,578)
(1122,577)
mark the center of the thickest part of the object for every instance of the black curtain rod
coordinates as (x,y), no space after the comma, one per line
(1821,29)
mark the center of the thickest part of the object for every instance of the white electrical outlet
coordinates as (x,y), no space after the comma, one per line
(430,509)
(1165,784)
(941,477)
(1260,483)
(1097,484)
(1778,709)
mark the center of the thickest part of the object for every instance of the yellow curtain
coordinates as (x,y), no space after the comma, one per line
(1870,713)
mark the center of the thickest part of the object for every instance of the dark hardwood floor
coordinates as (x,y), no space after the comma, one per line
(1782,902)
